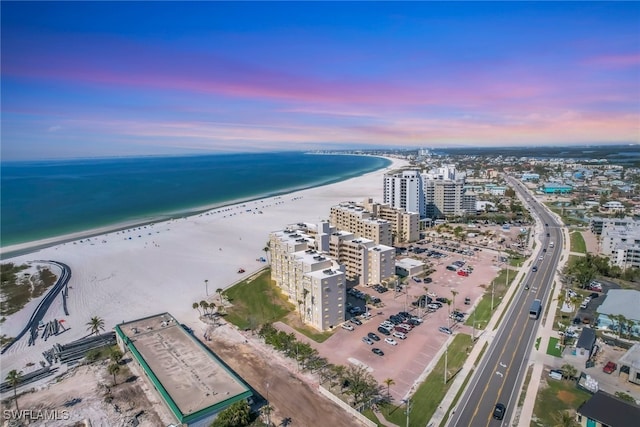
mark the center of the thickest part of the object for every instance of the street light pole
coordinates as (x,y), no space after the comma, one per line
(408,409)
(206,286)
(492,289)
(446,355)
(268,408)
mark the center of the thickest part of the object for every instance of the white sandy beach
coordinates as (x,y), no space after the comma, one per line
(124,275)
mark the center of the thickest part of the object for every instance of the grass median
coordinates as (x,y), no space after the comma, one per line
(427,398)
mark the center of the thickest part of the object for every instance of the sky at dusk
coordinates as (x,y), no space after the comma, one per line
(142,78)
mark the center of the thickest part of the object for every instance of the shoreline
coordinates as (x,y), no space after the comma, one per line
(19,249)
(166,266)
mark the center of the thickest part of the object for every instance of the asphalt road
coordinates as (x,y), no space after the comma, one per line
(502,369)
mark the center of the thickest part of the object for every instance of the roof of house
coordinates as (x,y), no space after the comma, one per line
(587,339)
(610,410)
(621,301)
(631,357)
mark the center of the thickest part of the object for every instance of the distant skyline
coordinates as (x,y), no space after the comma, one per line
(94,79)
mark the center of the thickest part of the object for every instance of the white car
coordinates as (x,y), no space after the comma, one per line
(391,341)
(347,326)
(399,335)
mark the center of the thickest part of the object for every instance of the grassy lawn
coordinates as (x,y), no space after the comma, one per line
(577,243)
(556,397)
(554,348)
(426,399)
(369,414)
(256,301)
(309,332)
(482,313)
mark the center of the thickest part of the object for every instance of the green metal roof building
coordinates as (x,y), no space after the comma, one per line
(549,188)
(192,381)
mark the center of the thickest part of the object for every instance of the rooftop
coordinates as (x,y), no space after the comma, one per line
(185,372)
(610,410)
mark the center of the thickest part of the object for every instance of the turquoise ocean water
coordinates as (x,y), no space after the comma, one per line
(46,199)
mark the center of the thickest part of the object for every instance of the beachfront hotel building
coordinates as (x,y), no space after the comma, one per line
(186,375)
(312,280)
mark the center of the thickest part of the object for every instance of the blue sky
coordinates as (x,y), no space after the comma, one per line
(142,78)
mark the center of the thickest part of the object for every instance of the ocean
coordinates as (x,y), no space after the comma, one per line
(45,199)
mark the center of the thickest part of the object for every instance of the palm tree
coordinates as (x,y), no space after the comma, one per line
(389,382)
(564,419)
(266,250)
(113,369)
(205,306)
(196,306)
(219,292)
(305,292)
(13,379)
(95,325)
(454,293)
(569,371)
(115,355)
(300,303)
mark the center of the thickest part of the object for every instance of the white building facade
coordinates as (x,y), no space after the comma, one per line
(314,282)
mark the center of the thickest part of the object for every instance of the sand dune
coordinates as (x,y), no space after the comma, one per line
(140,271)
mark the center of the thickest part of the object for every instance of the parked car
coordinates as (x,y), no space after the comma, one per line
(400,335)
(403,328)
(347,326)
(367,340)
(384,331)
(609,368)
(373,336)
(416,320)
(391,341)
(467,301)
(355,321)
(377,351)
(445,330)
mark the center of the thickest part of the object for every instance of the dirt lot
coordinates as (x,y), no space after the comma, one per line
(79,395)
(291,394)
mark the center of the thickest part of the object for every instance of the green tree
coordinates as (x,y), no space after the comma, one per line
(219,292)
(14,378)
(389,382)
(113,369)
(626,397)
(569,371)
(115,355)
(196,306)
(236,415)
(564,419)
(95,325)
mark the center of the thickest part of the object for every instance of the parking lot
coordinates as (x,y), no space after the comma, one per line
(408,359)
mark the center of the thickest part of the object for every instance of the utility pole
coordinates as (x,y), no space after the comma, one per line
(492,289)
(408,409)
(446,355)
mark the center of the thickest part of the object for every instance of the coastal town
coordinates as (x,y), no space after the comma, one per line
(374,301)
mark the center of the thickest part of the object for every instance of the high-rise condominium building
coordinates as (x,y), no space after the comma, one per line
(311,280)
(356,219)
(436,194)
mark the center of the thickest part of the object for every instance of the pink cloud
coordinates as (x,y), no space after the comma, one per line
(616,61)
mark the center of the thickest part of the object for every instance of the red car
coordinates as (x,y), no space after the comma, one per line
(609,367)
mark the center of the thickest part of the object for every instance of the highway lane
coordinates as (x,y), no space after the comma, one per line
(501,372)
